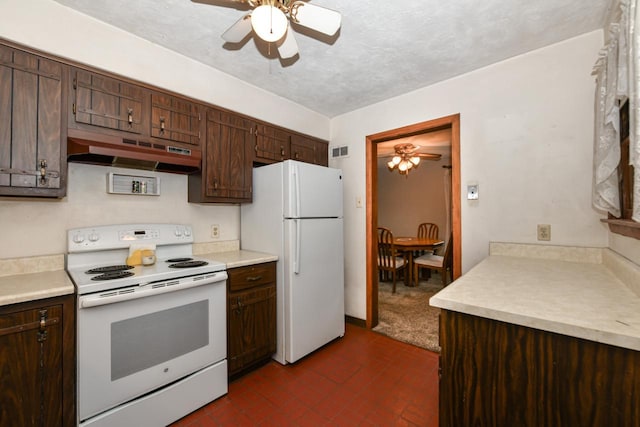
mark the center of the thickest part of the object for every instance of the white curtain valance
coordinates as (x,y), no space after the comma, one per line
(633,55)
(617,79)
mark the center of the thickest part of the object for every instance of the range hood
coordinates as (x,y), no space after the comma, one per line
(99,149)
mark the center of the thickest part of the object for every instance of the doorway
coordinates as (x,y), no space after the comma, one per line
(449,122)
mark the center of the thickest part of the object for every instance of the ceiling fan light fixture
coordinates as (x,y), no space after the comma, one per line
(415,160)
(269,23)
(396,160)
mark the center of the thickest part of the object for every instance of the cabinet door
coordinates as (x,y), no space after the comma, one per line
(175,119)
(31,368)
(252,326)
(32,136)
(226,166)
(108,103)
(322,153)
(271,144)
(303,149)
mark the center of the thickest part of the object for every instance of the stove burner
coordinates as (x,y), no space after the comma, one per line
(112,275)
(187,264)
(178,259)
(109,269)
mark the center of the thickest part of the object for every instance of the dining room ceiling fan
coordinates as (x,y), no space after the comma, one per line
(271,21)
(407,157)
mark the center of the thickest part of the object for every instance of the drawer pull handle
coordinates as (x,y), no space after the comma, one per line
(253,278)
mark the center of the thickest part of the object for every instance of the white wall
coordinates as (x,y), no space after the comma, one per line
(526,128)
(405,201)
(53,28)
(34,227)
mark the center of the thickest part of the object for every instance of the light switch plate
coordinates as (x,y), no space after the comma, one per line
(472,192)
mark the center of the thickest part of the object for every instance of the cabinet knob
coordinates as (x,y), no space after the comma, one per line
(130,116)
(161,124)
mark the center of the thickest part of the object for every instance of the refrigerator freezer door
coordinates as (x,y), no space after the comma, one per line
(311,191)
(313,285)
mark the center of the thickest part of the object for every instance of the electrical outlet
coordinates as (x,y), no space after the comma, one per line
(544,232)
(215,231)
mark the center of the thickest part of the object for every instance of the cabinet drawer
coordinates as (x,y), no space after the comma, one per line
(254,275)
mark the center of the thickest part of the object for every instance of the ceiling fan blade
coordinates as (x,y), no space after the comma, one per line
(289,46)
(317,18)
(428,156)
(238,31)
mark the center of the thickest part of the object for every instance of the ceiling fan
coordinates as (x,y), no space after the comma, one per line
(407,158)
(270,20)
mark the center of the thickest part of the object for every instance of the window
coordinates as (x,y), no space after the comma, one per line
(625,225)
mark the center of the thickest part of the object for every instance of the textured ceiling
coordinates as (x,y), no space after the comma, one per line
(384,48)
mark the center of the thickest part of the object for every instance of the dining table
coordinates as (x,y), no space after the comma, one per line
(409,245)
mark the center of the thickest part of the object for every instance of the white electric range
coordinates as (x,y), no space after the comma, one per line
(151,338)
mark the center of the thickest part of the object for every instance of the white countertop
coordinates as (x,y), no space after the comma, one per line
(240,258)
(28,279)
(580,299)
(34,286)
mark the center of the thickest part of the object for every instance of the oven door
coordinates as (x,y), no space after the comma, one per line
(131,347)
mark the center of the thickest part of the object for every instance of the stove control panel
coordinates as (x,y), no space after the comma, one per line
(122,236)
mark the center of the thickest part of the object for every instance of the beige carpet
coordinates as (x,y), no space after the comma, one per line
(407,316)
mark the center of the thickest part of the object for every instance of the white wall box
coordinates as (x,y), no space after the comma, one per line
(133,184)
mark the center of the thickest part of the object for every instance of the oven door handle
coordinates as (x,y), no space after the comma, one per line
(128,294)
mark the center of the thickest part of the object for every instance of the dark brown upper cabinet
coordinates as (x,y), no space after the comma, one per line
(176,119)
(271,144)
(309,150)
(32,129)
(108,103)
(227,160)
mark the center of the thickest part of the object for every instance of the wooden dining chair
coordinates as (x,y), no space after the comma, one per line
(441,264)
(389,261)
(428,230)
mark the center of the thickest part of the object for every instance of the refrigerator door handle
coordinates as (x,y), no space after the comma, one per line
(296,259)
(296,185)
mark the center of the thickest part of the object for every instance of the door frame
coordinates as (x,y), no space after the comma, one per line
(452,122)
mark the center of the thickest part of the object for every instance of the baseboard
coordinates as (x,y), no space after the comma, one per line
(355,321)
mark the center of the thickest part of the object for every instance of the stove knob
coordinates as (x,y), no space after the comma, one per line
(187,232)
(178,232)
(78,238)
(94,237)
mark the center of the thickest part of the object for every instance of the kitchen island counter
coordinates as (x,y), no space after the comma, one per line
(588,293)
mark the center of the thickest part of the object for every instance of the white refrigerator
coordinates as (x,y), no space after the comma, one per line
(296,214)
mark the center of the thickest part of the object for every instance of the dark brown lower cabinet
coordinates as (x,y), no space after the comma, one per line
(251,316)
(499,374)
(37,363)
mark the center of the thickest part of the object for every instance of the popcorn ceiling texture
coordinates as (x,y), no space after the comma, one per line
(383,49)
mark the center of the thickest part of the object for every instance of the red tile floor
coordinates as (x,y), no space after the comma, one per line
(362,379)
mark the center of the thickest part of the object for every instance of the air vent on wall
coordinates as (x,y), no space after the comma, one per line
(342,151)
